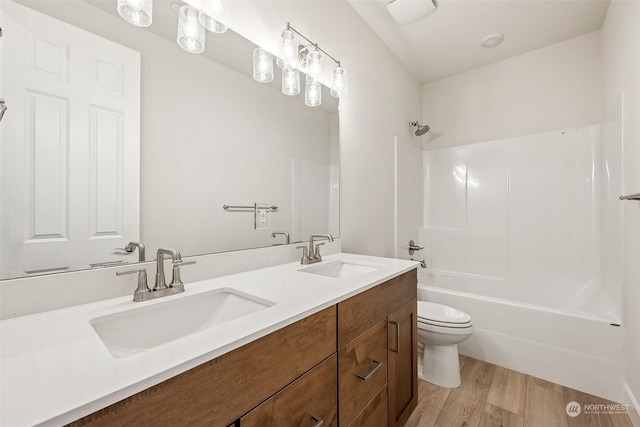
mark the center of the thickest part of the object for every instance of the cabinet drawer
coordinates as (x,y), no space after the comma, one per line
(308,401)
(358,313)
(374,414)
(362,371)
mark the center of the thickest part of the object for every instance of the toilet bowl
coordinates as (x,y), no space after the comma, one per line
(440,329)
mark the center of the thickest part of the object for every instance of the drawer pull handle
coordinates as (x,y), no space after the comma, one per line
(397,350)
(318,421)
(373,371)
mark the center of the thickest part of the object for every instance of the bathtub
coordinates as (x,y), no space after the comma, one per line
(566,345)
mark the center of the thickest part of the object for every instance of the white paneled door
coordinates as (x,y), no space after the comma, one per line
(69,145)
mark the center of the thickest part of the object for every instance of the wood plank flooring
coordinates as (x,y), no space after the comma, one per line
(493,396)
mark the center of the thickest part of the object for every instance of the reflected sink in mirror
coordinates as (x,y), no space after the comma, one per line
(341,269)
(139,329)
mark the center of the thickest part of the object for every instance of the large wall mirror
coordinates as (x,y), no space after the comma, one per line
(114,134)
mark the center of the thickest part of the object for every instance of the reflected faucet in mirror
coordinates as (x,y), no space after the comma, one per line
(287,239)
(131,246)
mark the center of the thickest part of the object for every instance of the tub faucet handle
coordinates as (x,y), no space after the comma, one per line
(413,247)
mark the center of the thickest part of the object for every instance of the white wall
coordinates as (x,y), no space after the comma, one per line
(409,201)
(551,88)
(383,98)
(621,69)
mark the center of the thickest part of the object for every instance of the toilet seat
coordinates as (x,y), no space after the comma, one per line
(442,316)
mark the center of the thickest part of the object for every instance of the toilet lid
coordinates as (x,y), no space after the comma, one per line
(429,311)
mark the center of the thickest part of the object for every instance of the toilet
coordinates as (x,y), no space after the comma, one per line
(440,329)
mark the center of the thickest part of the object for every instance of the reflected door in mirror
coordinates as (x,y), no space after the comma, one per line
(70,163)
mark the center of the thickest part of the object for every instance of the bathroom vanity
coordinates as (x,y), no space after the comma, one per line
(334,345)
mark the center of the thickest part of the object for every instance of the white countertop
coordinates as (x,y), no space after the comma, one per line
(55,369)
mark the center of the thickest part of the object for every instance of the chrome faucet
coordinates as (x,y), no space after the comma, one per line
(311,254)
(176,260)
(161,289)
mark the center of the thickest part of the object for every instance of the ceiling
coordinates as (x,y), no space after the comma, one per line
(447,41)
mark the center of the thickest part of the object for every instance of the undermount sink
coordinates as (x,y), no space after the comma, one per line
(139,329)
(341,269)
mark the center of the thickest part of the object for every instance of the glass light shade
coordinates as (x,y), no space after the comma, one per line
(136,12)
(262,65)
(312,92)
(339,82)
(190,31)
(314,60)
(289,49)
(214,15)
(290,81)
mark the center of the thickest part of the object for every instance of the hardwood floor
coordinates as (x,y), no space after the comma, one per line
(492,396)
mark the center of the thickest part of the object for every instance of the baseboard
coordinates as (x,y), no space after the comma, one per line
(570,369)
(634,407)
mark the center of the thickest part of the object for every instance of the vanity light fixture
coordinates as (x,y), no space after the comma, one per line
(262,65)
(193,19)
(136,12)
(190,31)
(289,56)
(214,15)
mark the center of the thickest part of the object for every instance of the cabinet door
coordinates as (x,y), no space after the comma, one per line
(311,400)
(403,363)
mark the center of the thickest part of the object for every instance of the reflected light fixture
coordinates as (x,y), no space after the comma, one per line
(339,82)
(190,31)
(214,15)
(314,63)
(312,92)
(262,65)
(136,12)
(311,59)
(290,81)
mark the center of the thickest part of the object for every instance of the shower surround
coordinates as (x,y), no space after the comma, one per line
(524,234)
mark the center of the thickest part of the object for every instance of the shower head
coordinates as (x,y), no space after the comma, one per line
(421,129)
(3,108)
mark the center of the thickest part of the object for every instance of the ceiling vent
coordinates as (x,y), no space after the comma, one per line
(407,11)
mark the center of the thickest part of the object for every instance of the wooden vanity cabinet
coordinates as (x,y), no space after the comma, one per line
(220,391)
(352,364)
(385,312)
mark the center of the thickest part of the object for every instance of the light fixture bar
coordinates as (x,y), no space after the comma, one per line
(289,27)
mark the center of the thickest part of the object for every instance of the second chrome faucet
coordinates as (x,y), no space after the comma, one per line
(311,254)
